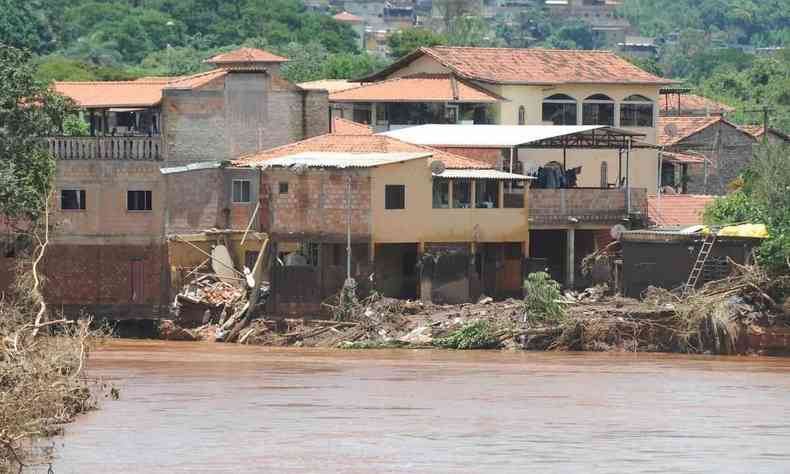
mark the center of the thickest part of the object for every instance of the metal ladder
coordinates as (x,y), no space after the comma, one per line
(699,265)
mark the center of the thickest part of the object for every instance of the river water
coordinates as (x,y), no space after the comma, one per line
(201,407)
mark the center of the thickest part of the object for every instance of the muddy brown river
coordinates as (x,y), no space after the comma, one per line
(200,407)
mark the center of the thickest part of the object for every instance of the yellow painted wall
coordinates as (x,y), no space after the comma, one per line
(423,64)
(644,163)
(419,222)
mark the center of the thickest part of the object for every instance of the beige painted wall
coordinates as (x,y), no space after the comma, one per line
(105,218)
(419,222)
(423,64)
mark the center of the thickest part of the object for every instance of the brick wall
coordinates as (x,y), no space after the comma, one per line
(315,205)
(727,160)
(100,276)
(594,206)
(492,156)
(240,113)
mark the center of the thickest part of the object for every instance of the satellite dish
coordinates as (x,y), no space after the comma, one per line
(437,167)
(299,170)
(617,231)
(671,130)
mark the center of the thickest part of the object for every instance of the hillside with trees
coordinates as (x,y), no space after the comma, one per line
(704,43)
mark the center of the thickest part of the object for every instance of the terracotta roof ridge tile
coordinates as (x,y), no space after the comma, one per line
(495,48)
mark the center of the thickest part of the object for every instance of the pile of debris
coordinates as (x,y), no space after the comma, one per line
(223,298)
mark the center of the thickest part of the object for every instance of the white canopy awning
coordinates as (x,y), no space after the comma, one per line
(481,174)
(496,136)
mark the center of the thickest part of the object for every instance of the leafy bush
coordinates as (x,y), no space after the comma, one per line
(763,199)
(474,335)
(541,303)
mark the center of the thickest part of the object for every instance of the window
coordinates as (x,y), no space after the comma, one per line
(636,111)
(394,196)
(486,194)
(560,109)
(441,193)
(72,199)
(136,280)
(138,200)
(241,191)
(522,115)
(598,109)
(362,113)
(462,194)
(604,175)
(283,187)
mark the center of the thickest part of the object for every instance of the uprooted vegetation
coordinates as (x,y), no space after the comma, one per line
(42,384)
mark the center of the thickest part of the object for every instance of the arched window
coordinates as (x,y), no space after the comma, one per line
(598,109)
(636,111)
(559,109)
(522,115)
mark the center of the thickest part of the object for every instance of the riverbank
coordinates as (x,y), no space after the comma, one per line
(733,316)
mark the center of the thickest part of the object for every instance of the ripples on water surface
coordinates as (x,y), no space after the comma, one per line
(194,407)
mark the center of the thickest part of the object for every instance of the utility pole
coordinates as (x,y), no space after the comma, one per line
(766,111)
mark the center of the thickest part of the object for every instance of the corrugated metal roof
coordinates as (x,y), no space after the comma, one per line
(341,160)
(481,174)
(206,165)
(491,136)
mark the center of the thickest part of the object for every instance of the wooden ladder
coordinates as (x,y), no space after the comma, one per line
(699,265)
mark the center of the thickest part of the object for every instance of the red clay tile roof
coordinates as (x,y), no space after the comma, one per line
(757,131)
(342,126)
(196,80)
(418,88)
(113,93)
(672,130)
(348,17)
(677,209)
(246,55)
(690,102)
(139,93)
(685,127)
(365,143)
(329,85)
(531,66)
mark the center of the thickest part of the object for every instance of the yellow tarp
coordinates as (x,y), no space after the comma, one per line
(758,231)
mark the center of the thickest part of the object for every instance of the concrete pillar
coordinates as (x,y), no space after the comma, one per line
(570,258)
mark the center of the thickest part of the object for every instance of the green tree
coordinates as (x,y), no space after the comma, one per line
(28,112)
(403,42)
(22,26)
(764,199)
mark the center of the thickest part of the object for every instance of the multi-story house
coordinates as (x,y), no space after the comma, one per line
(531,87)
(421,222)
(112,206)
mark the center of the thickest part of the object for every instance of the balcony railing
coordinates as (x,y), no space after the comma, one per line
(584,205)
(106,148)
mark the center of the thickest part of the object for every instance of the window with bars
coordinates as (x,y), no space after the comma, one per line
(560,109)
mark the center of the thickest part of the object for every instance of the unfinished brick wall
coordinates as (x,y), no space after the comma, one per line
(600,206)
(242,112)
(314,208)
(729,151)
(99,279)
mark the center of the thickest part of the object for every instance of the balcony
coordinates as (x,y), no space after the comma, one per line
(106,148)
(584,205)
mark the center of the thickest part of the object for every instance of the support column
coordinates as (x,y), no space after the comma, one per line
(570,258)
